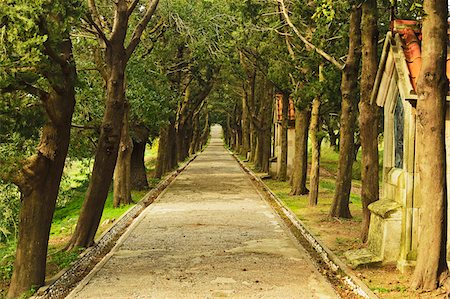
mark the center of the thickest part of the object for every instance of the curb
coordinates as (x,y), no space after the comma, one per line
(329,259)
(67,279)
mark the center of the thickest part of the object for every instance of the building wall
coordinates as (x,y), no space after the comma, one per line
(395,231)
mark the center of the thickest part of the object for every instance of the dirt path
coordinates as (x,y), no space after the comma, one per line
(209,235)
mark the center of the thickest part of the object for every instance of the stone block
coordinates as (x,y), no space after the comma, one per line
(362,257)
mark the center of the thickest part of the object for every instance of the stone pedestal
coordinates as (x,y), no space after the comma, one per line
(385,230)
(384,236)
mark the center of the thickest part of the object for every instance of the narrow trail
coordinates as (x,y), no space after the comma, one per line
(209,235)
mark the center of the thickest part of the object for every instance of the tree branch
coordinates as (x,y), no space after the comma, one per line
(84,127)
(137,33)
(23,86)
(97,27)
(132,7)
(305,41)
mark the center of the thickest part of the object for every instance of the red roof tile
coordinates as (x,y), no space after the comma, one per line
(410,34)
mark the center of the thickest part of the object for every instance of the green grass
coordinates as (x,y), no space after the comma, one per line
(61,258)
(329,161)
(65,218)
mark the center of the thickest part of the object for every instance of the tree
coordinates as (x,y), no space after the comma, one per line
(368,113)
(282,171)
(316,136)
(340,207)
(432,88)
(38,61)
(122,171)
(116,56)
(299,172)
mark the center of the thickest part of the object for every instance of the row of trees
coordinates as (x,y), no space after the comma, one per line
(111,76)
(293,50)
(116,76)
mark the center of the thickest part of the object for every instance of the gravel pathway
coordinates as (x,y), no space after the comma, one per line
(209,235)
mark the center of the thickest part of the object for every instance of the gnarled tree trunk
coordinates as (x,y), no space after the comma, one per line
(40,177)
(432,87)
(340,206)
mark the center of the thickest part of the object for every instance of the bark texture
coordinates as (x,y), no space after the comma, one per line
(432,87)
(300,167)
(368,113)
(340,207)
(262,121)
(122,172)
(40,177)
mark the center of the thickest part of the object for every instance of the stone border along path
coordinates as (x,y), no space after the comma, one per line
(63,282)
(328,261)
(209,234)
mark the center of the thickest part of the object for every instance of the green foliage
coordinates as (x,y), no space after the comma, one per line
(21,43)
(28,30)
(20,119)
(149,93)
(7,254)
(9,211)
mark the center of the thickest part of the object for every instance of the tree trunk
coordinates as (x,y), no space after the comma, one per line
(316,137)
(432,87)
(263,150)
(172,147)
(253,150)
(163,153)
(368,113)
(349,84)
(266,146)
(282,164)
(298,180)
(122,172)
(245,128)
(40,178)
(105,155)
(193,148)
(182,146)
(206,131)
(333,139)
(138,171)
